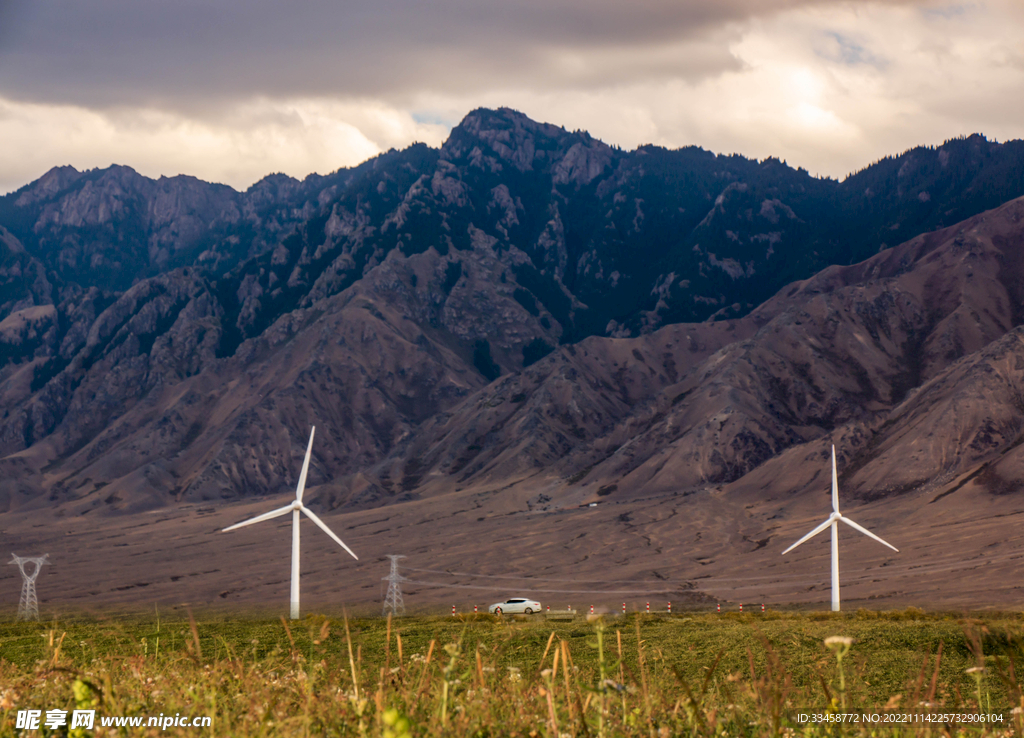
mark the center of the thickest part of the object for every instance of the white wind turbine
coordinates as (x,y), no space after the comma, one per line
(833,522)
(294,508)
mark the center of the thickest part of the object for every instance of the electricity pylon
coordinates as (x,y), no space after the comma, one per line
(393,602)
(28,605)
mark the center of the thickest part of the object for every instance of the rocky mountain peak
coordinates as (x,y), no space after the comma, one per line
(273,187)
(489,138)
(54,181)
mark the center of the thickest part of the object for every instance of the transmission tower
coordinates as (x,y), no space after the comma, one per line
(393,602)
(28,605)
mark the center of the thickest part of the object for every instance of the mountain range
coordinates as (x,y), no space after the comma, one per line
(504,331)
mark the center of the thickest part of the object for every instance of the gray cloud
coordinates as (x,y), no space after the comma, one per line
(183,53)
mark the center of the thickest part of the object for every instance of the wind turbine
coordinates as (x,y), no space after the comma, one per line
(833,522)
(294,508)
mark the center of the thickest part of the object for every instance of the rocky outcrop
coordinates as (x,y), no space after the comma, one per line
(113,226)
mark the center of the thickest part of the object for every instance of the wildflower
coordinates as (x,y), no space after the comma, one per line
(976,673)
(840,645)
(832,641)
(514,674)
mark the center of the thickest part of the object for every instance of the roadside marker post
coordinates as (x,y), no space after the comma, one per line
(453,610)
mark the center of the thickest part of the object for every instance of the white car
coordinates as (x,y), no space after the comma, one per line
(515,605)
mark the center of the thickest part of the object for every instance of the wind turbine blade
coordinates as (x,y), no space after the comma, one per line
(328,531)
(260,518)
(305,467)
(810,535)
(835,482)
(866,532)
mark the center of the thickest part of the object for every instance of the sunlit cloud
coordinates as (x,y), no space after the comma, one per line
(247,142)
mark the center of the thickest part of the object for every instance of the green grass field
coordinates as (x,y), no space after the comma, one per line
(643,675)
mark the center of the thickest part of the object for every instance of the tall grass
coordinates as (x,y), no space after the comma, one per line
(696,675)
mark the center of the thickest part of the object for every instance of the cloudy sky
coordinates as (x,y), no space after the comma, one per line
(231,90)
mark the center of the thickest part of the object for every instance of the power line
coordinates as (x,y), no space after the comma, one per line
(935,563)
(524,576)
(447,585)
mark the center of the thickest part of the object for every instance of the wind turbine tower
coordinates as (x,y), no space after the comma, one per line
(295,508)
(393,602)
(28,605)
(833,522)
